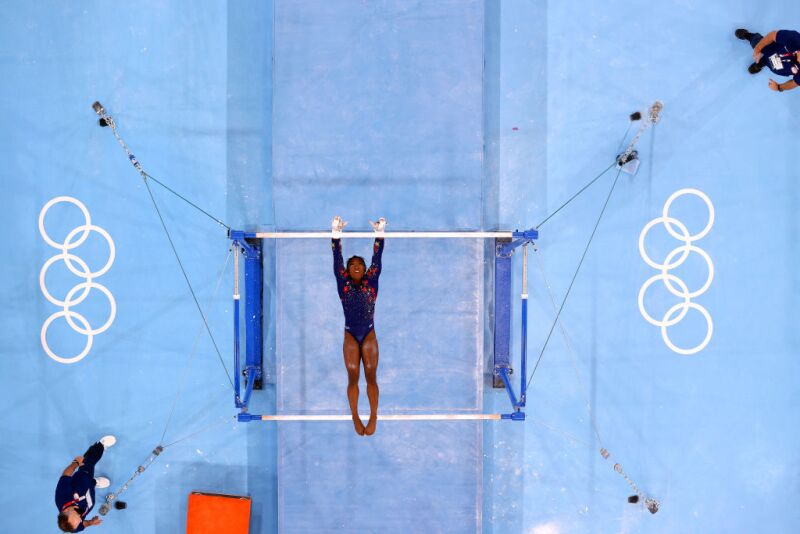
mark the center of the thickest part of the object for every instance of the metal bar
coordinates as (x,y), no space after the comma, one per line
(503,372)
(383,417)
(524,342)
(236,251)
(370,235)
(251,380)
(508,248)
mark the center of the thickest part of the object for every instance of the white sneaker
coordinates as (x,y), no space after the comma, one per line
(108,441)
(102,482)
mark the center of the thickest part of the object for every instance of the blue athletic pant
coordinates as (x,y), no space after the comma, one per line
(755,39)
(91,457)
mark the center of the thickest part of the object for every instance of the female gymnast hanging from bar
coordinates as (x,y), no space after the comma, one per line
(358,291)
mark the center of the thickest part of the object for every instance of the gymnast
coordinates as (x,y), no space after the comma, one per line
(358,291)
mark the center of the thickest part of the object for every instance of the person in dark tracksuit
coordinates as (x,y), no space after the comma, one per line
(358,290)
(75,495)
(779,51)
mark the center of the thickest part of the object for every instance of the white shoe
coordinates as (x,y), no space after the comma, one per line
(102,482)
(108,441)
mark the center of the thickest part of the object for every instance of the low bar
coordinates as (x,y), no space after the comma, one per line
(245,417)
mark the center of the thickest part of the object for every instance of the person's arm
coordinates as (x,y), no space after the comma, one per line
(338,261)
(788,38)
(338,266)
(377,251)
(76,463)
(336,245)
(91,522)
(780,87)
(767,40)
(379,227)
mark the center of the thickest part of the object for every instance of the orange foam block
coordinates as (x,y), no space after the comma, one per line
(211,513)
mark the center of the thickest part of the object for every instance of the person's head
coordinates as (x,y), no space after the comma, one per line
(356,267)
(69,519)
(754,68)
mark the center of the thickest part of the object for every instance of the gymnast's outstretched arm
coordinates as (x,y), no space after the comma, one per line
(338,265)
(336,245)
(377,251)
(374,270)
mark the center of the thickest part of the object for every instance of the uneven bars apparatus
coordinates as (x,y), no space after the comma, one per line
(504,247)
(249,245)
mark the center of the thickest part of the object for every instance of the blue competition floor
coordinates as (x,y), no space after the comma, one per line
(447,115)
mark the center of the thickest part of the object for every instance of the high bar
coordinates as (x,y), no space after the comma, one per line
(389,235)
(381,417)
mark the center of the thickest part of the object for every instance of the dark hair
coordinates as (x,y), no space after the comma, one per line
(63,522)
(356,258)
(754,68)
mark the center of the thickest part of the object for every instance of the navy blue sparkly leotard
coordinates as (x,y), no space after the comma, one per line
(358,300)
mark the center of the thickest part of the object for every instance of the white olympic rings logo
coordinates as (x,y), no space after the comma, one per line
(675,285)
(74,239)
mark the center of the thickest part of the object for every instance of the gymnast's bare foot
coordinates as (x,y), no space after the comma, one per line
(372,424)
(359,425)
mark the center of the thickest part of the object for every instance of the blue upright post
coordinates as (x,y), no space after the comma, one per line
(236,364)
(253,282)
(502,311)
(524,342)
